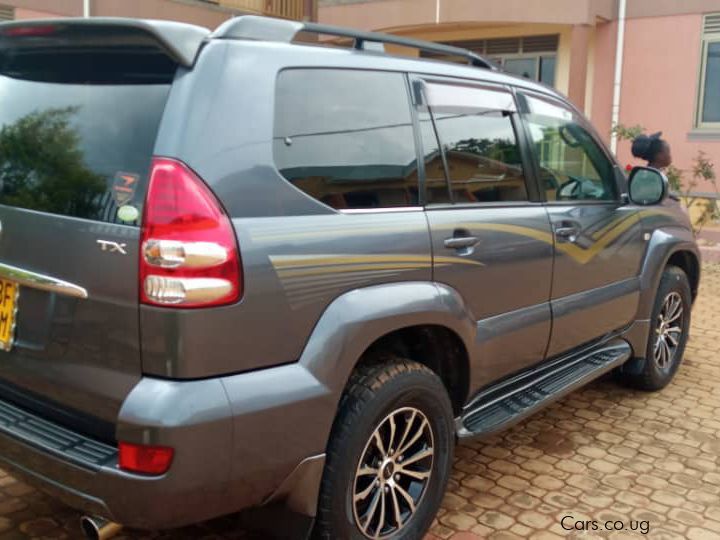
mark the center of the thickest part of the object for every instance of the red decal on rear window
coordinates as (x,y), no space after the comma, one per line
(124,186)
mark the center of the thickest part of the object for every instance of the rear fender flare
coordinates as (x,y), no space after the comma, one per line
(349,325)
(355,320)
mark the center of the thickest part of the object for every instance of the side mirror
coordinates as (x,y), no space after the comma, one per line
(647,186)
(568,137)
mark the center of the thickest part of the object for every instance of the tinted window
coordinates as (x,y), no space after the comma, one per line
(711,104)
(547,70)
(77,150)
(346,138)
(523,67)
(478,140)
(572,165)
(436,185)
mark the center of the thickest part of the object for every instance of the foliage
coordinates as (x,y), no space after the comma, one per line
(674,176)
(625,133)
(492,148)
(703,170)
(42,167)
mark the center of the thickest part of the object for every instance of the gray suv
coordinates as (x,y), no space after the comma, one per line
(239,271)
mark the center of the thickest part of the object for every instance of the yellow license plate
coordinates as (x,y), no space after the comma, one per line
(9,291)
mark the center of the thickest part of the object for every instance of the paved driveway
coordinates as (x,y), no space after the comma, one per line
(604,455)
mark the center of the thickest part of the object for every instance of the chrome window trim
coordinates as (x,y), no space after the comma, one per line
(481,205)
(585,202)
(388,210)
(43,282)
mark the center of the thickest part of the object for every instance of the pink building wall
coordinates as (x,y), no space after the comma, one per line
(21,13)
(148,9)
(660,84)
(381,15)
(604,58)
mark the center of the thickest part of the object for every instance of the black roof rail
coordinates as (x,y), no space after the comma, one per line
(270,29)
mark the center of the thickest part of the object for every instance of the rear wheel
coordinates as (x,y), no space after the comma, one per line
(669,330)
(389,456)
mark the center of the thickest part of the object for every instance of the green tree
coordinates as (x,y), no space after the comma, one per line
(625,133)
(500,149)
(42,167)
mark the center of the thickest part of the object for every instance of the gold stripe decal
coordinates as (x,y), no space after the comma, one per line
(310,278)
(307,278)
(603,238)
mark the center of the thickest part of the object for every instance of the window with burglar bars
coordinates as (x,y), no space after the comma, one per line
(708,113)
(286,9)
(533,57)
(7,13)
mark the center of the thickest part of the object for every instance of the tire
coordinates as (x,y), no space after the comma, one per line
(416,400)
(660,367)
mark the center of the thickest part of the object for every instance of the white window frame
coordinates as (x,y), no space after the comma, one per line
(7,13)
(539,56)
(707,39)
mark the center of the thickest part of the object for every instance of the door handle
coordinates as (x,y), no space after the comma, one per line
(460,242)
(567,232)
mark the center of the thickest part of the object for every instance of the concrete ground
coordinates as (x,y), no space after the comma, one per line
(709,240)
(605,455)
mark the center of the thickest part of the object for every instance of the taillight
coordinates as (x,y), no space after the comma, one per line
(140,458)
(32,30)
(189,256)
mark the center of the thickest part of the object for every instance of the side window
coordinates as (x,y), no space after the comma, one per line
(572,165)
(708,114)
(436,184)
(345,137)
(475,129)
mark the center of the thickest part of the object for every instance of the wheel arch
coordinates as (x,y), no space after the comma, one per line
(365,318)
(402,317)
(689,263)
(667,245)
(435,346)
(352,328)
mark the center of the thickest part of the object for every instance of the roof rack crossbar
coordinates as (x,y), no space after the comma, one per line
(268,29)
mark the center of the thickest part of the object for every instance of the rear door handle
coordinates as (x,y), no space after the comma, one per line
(567,232)
(460,242)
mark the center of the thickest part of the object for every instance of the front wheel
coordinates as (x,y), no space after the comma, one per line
(669,331)
(389,455)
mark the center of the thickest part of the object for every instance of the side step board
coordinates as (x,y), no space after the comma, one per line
(514,399)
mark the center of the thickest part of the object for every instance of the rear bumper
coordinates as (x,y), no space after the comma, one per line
(64,481)
(83,473)
(215,470)
(133,501)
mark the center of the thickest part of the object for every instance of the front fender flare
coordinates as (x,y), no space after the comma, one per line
(663,243)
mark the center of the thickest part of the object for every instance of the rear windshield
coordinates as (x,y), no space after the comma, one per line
(79,150)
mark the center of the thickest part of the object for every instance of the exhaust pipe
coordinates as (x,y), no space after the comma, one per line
(96,528)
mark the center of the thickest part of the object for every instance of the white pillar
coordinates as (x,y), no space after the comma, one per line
(617,83)
(86,8)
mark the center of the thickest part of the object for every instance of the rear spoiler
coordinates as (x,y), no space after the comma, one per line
(180,42)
